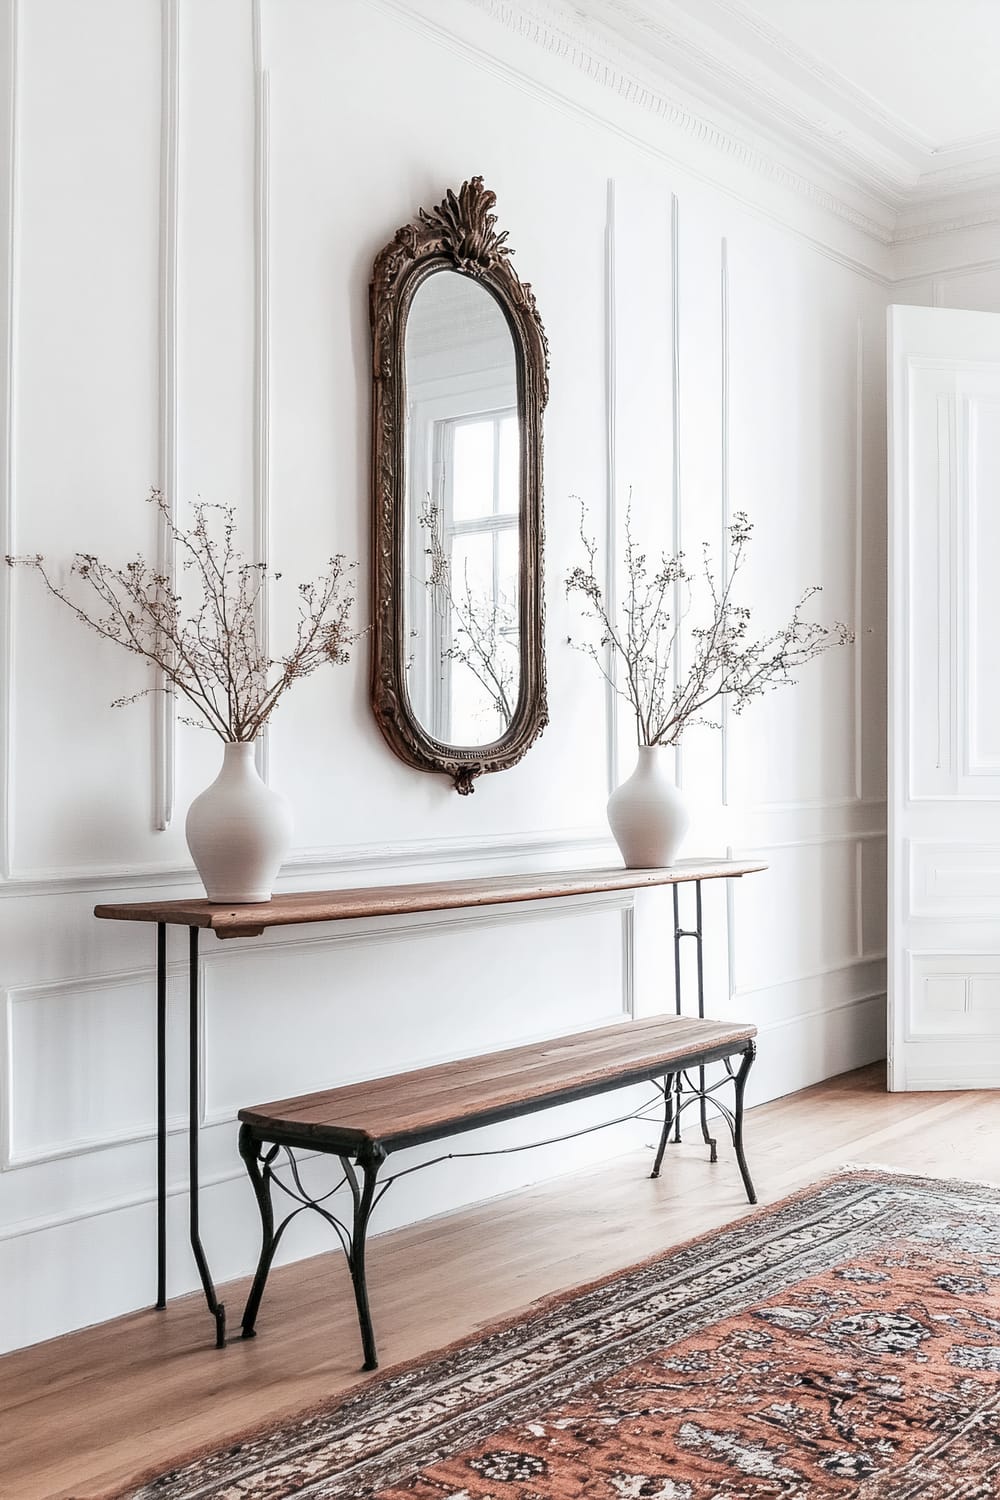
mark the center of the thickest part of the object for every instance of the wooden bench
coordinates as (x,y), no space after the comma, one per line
(363,1123)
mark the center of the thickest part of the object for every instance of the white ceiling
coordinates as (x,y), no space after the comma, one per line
(932,65)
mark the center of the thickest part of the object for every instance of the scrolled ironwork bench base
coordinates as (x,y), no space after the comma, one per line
(270,1134)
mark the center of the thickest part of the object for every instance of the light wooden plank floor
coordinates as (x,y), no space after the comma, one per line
(81,1413)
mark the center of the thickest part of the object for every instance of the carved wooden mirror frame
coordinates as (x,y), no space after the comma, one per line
(458,235)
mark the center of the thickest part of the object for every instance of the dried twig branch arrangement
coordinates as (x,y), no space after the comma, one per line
(211,656)
(723,659)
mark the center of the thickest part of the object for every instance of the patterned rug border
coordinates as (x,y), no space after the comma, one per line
(540,1307)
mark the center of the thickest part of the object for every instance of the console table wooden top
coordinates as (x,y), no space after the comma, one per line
(290,908)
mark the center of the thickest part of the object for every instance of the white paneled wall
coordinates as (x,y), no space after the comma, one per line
(197,189)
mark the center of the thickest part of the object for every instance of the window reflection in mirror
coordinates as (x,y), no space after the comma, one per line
(463,506)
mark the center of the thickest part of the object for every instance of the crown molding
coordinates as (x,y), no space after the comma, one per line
(753,70)
(740,59)
(742,91)
(716,117)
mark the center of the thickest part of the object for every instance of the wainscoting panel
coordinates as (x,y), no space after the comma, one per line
(383,999)
(954,996)
(65,1086)
(949,880)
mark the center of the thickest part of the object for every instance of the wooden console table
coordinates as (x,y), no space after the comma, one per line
(228,921)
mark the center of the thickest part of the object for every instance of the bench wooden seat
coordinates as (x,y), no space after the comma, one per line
(362,1123)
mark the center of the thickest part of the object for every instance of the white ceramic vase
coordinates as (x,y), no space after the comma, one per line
(647,813)
(238,831)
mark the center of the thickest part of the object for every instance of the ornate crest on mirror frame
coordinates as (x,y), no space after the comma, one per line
(460,372)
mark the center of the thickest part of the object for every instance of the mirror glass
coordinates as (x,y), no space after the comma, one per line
(461,533)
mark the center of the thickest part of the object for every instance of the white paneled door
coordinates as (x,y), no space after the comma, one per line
(944,692)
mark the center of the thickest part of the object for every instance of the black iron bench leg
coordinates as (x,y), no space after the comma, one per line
(369,1160)
(258,1159)
(668,1121)
(261,1182)
(706,1135)
(741,1082)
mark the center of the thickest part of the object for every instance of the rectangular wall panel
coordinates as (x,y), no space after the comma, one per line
(982,596)
(390,998)
(80,1065)
(954,995)
(949,880)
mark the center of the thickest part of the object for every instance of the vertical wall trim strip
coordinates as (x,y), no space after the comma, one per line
(859,553)
(628,959)
(7,475)
(164,721)
(724,566)
(724,461)
(675,420)
(262,349)
(611,476)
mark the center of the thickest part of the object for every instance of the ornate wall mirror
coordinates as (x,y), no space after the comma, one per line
(460,382)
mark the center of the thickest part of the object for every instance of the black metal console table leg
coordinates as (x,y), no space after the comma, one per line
(161,1114)
(215,1307)
(679,934)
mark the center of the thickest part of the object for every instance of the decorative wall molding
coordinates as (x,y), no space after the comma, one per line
(803,1021)
(725,733)
(314,864)
(41,1223)
(943,274)
(677,518)
(950,214)
(815,804)
(611,481)
(725,717)
(164,711)
(799,825)
(811,840)
(9,247)
(952,997)
(12,1158)
(949,880)
(948,1076)
(767,1027)
(262,349)
(859,838)
(369,935)
(859,559)
(808,976)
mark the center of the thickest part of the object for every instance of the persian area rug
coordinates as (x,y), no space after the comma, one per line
(845,1342)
